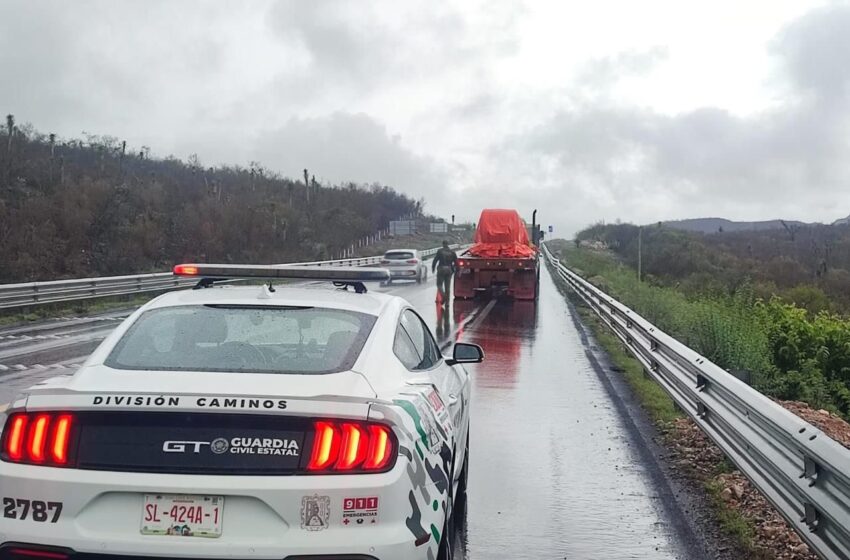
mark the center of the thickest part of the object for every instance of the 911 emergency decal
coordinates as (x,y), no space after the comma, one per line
(315,512)
(357,512)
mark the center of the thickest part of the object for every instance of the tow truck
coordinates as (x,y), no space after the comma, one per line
(503,261)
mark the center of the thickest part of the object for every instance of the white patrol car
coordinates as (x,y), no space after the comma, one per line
(245,422)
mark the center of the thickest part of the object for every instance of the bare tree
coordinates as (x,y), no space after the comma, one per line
(792,229)
(10,130)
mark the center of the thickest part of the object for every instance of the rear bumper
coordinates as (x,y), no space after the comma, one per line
(262,517)
(409,273)
(21,551)
(519,283)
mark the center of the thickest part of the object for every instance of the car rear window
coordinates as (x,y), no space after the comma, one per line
(305,340)
(398,255)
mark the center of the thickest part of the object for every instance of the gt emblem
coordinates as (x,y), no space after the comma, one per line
(183,446)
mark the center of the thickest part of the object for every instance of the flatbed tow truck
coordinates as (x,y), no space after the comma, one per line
(503,261)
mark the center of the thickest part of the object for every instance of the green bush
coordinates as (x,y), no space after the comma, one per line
(791,353)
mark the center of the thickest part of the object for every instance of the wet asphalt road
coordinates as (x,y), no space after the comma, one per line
(554,474)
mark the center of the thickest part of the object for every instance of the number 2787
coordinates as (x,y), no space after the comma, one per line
(19,508)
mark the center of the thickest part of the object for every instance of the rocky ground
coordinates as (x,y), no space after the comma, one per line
(768,534)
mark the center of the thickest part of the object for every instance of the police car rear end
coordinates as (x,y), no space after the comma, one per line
(234,423)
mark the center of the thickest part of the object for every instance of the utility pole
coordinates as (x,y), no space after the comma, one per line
(307,185)
(640,250)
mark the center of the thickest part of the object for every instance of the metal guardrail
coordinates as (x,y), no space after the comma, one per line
(801,470)
(36,293)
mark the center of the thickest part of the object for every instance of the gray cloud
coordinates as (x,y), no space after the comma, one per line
(328,85)
(601,73)
(814,52)
(615,160)
(349,147)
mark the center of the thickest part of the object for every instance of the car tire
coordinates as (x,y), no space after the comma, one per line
(419,277)
(445,550)
(460,502)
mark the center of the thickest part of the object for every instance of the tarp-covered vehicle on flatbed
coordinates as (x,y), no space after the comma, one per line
(501,262)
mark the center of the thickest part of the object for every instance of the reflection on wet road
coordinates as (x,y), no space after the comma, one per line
(552,472)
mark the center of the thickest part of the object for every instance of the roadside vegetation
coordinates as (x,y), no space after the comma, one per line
(97,207)
(790,351)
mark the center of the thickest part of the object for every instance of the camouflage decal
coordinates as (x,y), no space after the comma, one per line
(414,522)
(426,438)
(438,475)
(436,533)
(417,420)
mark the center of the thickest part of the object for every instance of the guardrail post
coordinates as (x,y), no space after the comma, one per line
(810,516)
(810,470)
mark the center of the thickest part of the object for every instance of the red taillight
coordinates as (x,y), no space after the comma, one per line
(460,263)
(185,270)
(61,437)
(325,447)
(380,447)
(16,427)
(37,437)
(15,553)
(351,446)
(41,439)
(353,449)
(413,261)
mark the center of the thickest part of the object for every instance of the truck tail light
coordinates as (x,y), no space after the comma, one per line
(351,447)
(37,439)
(461,263)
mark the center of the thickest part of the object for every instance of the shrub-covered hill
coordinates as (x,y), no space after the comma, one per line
(727,296)
(805,264)
(87,207)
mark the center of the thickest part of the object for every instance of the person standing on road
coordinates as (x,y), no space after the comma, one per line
(444,265)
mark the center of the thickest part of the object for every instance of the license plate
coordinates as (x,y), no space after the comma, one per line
(182,515)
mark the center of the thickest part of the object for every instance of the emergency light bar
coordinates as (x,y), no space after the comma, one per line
(341,274)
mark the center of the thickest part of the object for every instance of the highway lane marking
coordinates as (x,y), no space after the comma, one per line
(470,322)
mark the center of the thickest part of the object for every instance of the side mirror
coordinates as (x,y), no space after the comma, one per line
(464,353)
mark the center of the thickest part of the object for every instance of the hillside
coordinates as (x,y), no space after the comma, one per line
(90,207)
(808,265)
(792,352)
(720,225)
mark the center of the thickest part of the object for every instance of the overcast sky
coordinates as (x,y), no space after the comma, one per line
(588,111)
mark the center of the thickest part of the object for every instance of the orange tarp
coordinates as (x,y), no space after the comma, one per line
(501,233)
